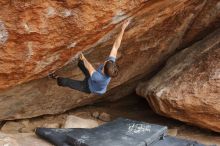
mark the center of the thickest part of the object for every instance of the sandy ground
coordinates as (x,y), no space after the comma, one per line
(133,107)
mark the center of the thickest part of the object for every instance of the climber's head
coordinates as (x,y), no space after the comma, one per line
(111,68)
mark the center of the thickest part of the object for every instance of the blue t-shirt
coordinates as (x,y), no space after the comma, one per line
(98,82)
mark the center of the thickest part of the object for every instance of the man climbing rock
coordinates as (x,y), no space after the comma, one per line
(96,81)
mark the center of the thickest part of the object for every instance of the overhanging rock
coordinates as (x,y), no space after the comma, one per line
(38,37)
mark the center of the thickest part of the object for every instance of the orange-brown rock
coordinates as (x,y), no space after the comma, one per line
(38,37)
(188,87)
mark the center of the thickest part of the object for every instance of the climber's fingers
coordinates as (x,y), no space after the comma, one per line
(81,56)
(126,23)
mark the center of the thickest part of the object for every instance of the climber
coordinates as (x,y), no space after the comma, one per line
(96,81)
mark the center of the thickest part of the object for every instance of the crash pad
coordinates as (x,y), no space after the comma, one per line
(120,132)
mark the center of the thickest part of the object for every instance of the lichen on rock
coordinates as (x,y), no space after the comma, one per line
(3,33)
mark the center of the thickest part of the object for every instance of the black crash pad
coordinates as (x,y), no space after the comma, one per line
(120,132)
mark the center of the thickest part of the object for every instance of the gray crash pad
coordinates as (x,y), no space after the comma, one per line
(120,132)
(55,136)
(93,139)
(172,141)
(136,129)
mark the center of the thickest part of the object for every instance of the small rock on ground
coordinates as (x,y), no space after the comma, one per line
(12,127)
(172,132)
(77,122)
(95,114)
(105,117)
(51,125)
(26,130)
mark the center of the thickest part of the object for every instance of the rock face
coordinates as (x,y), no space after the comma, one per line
(37,37)
(188,87)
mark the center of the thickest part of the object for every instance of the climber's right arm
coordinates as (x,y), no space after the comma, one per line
(117,42)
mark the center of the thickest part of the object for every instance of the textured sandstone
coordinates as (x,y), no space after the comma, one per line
(188,87)
(37,37)
(207,20)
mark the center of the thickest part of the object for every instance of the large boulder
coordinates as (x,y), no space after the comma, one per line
(37,37)
(188,87)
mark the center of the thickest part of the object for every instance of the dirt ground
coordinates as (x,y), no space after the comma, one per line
(133,107)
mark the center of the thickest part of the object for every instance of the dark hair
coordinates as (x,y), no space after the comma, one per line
(111,69)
